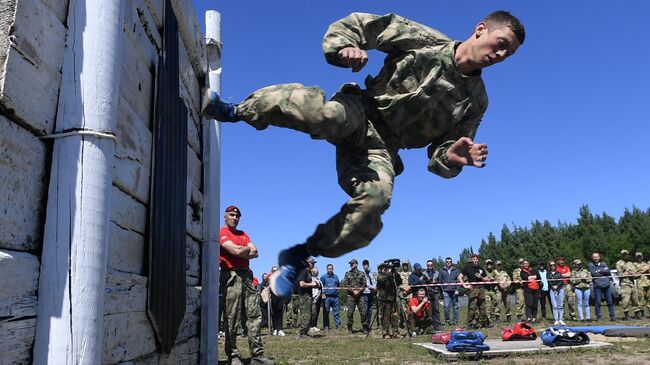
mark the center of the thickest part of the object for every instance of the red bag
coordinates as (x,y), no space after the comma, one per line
(521,332)
(441,338)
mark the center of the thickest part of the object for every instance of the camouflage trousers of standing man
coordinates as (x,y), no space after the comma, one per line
(476,307)
(570,303)
(491,304)
(306,305)
(241,305)
(502,301)
(629,302)
(644,298)
(520,302)
(366,166)
(360,304)
(389,317)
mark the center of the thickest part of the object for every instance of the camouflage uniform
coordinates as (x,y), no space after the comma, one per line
(355,279)
(387,297)
(491,304)
(519,293)
(404,292)
(570,301)
(627,270)
(241,301)
(581,279)
(501,294)
(643,285)
(476,307)
(419,98)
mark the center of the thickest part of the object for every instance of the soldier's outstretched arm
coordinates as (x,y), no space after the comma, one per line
(463,151)
(389,33)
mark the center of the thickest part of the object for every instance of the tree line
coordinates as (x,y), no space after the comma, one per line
(543,241)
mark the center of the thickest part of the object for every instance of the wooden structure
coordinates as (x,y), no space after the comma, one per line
(77,169)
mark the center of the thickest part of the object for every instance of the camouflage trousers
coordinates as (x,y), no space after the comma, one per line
(643,293)
(502,300)
(476,307)
(241,304)
(570,303)
(366,167)
(520,302)
(491,304)
(293,311)
(306,303)
(360,304)
(389,317)
(629,296)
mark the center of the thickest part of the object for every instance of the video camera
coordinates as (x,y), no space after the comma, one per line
(393,263)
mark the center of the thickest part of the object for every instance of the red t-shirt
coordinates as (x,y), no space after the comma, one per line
(414,302)
(564,269)
(239,238)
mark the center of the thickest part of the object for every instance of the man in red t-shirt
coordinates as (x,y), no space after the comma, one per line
(236,280)
(420,315)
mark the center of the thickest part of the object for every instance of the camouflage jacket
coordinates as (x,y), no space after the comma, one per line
(641,268)
(501,276)
(516,276)
(354,279)
(581,279)
(626,272)
(386,286)
(490,276)
(422,98)
(403,291)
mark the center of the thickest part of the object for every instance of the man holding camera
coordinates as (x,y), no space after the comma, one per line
(387,282)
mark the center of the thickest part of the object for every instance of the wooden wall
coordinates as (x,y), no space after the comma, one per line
(32,39)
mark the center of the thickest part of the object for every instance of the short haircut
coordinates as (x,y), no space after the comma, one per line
(501,19)
(329,265)
(430,261)
(423,289)
(447,258)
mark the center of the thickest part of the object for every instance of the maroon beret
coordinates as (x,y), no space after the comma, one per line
(233,208)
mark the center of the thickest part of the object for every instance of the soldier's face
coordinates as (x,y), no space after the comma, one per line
(491,46)
(354,266)
(232,219)
(639,258)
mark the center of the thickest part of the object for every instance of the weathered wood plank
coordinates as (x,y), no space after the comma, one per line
(125,293)
(140,26)
(32,64)
(188,79)
(7,18)
(39,35)
(191,35)
(133,154)
(190,325)
(22,187)
(16,340)
(156,9)
(127,336)
(193,261)
(22,85)
(59,8)
(183,353)
(194,213)
(127,212)
(193,136)
(194,169)
(126,250)
(19,271)
(136,83)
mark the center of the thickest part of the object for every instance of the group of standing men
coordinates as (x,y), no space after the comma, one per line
(635,285)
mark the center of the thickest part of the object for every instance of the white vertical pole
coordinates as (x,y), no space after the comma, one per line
(70,317)
(211,217)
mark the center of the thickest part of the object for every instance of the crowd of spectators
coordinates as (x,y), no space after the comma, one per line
(400,298)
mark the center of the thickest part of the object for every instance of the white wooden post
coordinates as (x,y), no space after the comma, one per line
(70,317)
(211,216)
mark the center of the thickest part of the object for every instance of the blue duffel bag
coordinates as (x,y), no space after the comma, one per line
(463,341)
(563,337)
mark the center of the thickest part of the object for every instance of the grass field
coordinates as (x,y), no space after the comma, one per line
(341,347)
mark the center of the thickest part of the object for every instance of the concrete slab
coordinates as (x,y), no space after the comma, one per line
(501,348)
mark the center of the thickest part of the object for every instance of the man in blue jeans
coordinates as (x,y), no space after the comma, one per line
(332,303)
(602,278)
(449,275)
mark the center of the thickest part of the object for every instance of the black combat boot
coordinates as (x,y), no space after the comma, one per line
(497,319)
(627,316)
